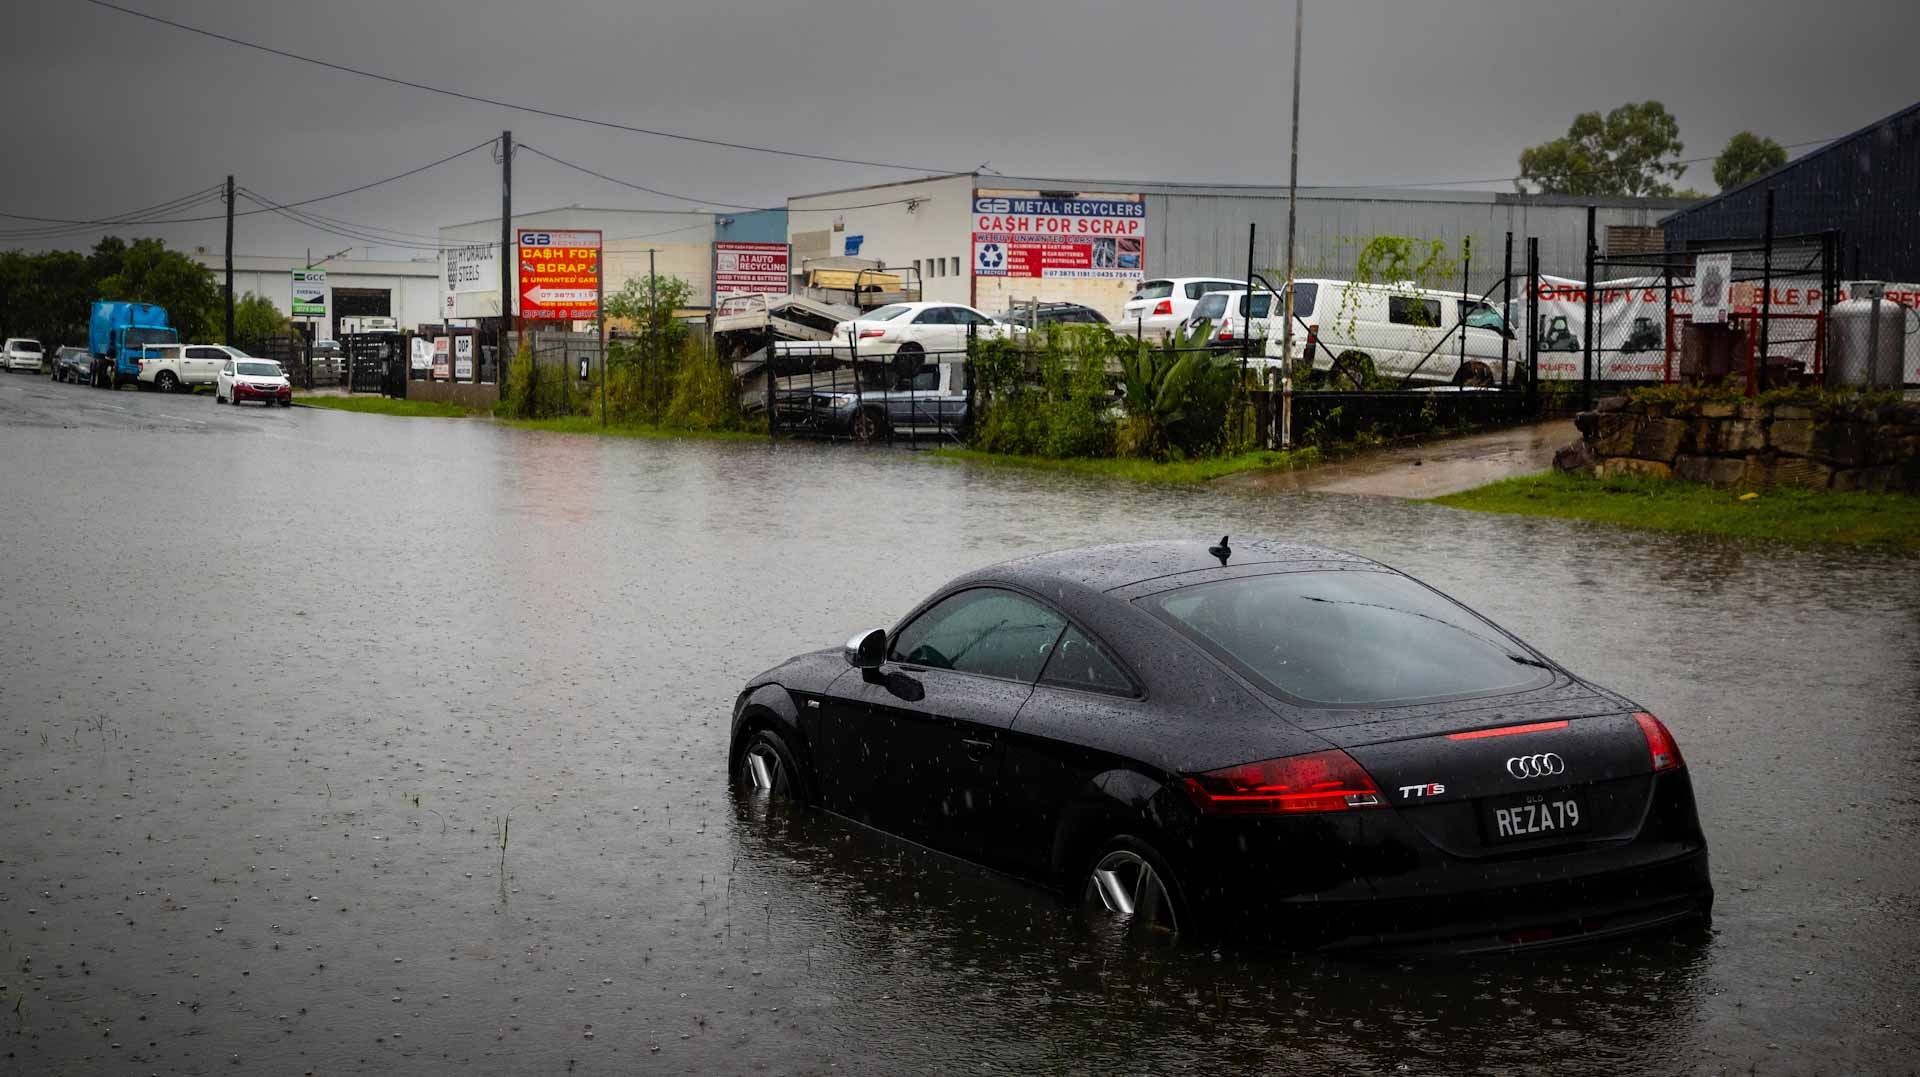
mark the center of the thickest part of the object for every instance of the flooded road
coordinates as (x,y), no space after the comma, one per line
(334,743)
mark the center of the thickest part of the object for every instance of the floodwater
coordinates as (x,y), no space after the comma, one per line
(345,744)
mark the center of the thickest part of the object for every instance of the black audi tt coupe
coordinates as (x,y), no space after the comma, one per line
(1269,740)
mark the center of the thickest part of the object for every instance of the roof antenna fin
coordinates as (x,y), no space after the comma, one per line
(1222,551)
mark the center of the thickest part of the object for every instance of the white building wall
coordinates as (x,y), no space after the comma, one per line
(927,223)
(413,288)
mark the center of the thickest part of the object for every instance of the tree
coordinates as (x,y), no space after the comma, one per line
(150,273)
(1632,150)
(255,318)
(1747,157)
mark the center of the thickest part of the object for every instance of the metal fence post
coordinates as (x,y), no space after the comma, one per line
(1466,289)
(1533,323)
(772,423)
(1766,293)
(1666,320)
(1506,312)
(1586,362)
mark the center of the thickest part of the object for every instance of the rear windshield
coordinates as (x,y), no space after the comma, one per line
(1154,289)
(884,314)
(258,370)
(1348,637)
(1211,306)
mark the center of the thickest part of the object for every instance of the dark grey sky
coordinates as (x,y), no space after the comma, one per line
(106,113)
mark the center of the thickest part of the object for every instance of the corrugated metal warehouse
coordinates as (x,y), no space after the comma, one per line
(936,226)
(1865,186)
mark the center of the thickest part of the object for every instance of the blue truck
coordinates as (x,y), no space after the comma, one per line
(118,338)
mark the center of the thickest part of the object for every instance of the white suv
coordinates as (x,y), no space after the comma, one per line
(24,354)
(1158,307)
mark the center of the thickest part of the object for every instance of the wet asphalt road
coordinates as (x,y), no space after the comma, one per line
(275,683)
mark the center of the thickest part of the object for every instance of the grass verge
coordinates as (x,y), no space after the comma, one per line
(380,405)
(1135,470)
(580,424)
(1836,517)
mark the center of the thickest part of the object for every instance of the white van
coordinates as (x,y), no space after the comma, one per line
(1400,331)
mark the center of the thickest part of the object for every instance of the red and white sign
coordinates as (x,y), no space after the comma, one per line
(1092,238)
(743,269)
(559,275)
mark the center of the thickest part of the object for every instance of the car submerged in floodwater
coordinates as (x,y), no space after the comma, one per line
(1275,741)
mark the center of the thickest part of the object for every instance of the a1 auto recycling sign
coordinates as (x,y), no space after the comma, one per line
(1064,238)
(559,275)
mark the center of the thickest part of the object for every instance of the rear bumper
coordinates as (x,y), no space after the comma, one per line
(1562,913)
(1371,880)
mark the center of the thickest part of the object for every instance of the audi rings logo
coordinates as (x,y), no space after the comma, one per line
(1545,765)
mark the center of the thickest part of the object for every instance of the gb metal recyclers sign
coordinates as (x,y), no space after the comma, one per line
(559,275)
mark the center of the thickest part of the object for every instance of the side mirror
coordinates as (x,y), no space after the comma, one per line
(867,650)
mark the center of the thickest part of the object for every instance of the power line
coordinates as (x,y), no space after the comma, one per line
(345,229)
(497,103)
(57,225)
(630,184)
(214,194)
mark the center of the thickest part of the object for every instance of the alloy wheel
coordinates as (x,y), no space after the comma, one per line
(761,769)
(1126,895)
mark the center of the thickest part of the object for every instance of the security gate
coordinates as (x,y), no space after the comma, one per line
(376,363)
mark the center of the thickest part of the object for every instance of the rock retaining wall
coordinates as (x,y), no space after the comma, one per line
(1750,444)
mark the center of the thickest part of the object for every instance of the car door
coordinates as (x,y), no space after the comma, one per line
(933,329)
(914,400)
(223,381)
(202,365)
(1071,730)
(935,714)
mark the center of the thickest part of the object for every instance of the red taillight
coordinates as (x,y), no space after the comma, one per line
(1323,781)
(1226,334)
(1660,743)
(869,334)
(1165,306)
(1313,335)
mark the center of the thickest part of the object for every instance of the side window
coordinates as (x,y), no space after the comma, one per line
(925,380)
(1262,304)
(1413,310)
(987,631)
(1479,315)
(934,316)
(1303,299)
(228,369)
(1077,662)
(1198,288)
(963,316)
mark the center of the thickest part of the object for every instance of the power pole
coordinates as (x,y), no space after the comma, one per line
(500,359)
(229,336)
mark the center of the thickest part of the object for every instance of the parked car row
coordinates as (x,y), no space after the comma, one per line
(180,368)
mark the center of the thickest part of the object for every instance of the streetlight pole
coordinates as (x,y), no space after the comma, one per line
(1293,184)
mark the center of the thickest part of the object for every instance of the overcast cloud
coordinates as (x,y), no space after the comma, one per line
(106,112)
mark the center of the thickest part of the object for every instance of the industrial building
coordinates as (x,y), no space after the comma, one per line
(408,292)
(1865,187)
(998,241)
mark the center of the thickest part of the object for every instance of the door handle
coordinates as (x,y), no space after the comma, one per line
(977,749)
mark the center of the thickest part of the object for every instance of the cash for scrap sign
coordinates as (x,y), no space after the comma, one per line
(1630,341)
(559,275)
(1085,238)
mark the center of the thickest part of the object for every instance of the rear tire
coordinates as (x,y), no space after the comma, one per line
(166,382)
(1351,370)
(1130,896)
(1474,374)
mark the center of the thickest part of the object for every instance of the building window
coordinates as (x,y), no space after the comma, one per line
(916,267)
(953,266)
